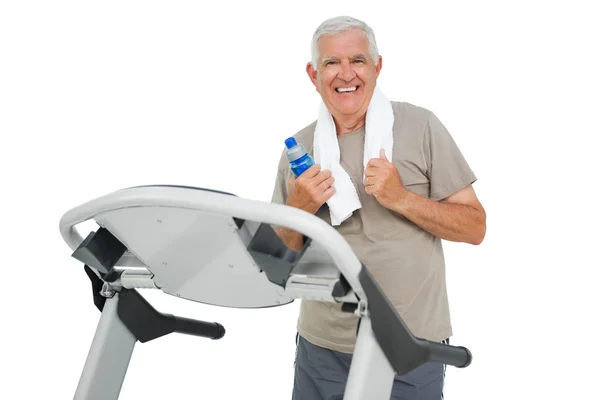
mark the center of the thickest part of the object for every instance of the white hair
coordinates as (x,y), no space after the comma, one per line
(337,25)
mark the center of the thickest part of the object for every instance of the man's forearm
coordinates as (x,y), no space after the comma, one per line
(448,221)
(292,239)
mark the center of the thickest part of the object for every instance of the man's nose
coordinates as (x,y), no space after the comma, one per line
(347,72)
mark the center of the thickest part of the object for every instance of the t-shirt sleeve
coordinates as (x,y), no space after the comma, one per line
(280,188)
(448,169)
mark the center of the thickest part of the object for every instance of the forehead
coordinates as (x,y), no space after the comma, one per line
(347,44)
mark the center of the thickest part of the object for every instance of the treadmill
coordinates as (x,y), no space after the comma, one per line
(219,249)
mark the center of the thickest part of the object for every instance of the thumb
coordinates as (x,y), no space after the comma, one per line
(382,155)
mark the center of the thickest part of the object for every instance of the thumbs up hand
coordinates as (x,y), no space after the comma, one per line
(382,180)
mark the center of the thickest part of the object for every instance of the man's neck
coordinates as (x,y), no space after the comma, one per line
(348,125)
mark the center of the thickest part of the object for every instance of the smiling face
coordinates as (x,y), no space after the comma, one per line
(345,77)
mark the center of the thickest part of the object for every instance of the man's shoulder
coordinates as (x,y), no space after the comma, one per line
(306,135)
(410,110)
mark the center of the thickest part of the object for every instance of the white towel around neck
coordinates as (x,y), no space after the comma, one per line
(326,151)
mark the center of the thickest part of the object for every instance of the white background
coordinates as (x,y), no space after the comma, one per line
(99,96)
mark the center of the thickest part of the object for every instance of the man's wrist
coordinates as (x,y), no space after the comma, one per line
(403,202)
(292,239)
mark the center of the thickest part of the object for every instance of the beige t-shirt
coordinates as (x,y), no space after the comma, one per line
(406,261)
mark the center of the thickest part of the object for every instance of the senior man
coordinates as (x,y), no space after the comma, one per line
(396,188)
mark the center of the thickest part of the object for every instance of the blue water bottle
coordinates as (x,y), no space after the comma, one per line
(298,157)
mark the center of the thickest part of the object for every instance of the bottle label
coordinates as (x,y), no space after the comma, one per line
(301,165)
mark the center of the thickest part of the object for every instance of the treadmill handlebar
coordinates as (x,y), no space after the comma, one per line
(457,356)
(404,350)
(226,205)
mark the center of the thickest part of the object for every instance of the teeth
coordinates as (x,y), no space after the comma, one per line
(345,90)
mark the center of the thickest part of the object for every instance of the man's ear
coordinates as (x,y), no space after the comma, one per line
(379,66)
(312,74)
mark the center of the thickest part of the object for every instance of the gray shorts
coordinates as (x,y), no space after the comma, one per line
(321,374)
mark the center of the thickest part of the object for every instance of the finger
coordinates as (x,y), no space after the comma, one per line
(326,184)
(370,171)
(311,172)
(369,180)
(320,180)
(330,191)
(322,175)
(382,155)
(375,162)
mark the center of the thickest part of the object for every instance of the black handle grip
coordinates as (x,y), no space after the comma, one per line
(211,330)
(147,323)
(456,356)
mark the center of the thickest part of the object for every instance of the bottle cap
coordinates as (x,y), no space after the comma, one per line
(290,142)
